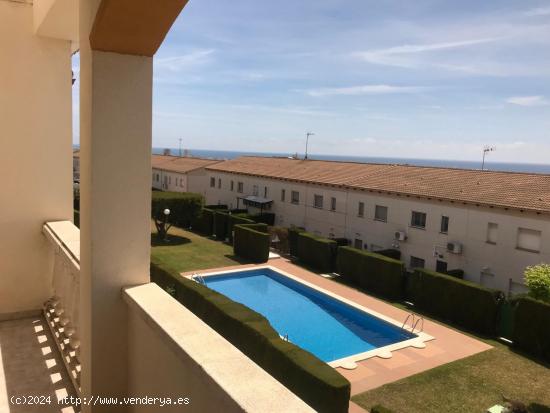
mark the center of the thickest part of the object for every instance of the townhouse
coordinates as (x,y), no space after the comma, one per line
(489,224)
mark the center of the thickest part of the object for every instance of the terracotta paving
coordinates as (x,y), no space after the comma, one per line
(448,345)
(30,365)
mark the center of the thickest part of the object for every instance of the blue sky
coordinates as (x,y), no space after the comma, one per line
(420,79)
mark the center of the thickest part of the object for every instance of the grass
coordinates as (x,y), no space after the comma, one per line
(472,384)
(188,251)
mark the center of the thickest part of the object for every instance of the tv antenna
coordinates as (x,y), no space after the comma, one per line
(486,150)
(308,134)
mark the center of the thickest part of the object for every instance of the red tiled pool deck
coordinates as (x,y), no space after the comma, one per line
(448,345)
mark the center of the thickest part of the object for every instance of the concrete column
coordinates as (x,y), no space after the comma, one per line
(115,138)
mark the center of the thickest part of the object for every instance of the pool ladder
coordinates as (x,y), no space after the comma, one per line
(416,321)
(198,279)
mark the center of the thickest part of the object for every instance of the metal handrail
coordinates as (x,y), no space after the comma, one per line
(407,319)
(421,321)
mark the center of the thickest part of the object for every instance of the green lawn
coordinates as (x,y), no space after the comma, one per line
(469,385)
(187,251)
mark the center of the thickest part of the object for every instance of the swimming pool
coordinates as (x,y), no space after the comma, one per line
(318,321)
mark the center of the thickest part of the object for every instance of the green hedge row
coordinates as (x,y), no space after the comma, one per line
(236,219)
(462,302)
(390,253)
(221,224)
(184,207)
(252,242)
(76,218)
(531,331)
(204,222)
(373,272)
(317,252)
(314,381)
(293,233)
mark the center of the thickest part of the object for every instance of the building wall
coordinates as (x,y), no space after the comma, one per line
(35,154)
(497,265)
(169,181)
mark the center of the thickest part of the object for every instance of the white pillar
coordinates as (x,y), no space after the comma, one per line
(115,138)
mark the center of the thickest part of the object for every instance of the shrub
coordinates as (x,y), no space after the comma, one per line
(293,240)
(537,279)
(531,331)
(264,218)
(456,273)
(76,218)
(380,409)
(462,302)
(184,207)
(252,242)
(373,272)
(314,381)
(236,219)
(318,252)
(216,207)
(221,224)
(282,234)
(204,222)
(390,253)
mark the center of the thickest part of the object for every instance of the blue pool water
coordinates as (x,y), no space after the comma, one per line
(318,323)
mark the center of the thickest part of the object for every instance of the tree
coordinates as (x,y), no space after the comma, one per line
(537,279)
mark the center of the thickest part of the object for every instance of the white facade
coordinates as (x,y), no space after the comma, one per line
(492,256)
(192,181)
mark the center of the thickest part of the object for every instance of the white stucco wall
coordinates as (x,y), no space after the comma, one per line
(468,225)
(35,154)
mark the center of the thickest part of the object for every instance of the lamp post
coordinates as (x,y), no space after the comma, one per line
(308,134)
(162,225)
(486,150)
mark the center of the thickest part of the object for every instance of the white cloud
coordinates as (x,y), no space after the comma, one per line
(540,11)
(363,90)
(397,56)
(177,63)
(529,101)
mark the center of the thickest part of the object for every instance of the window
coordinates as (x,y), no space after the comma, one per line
(417,262)
(255,190)
(158,177)
(212,182)
(283,195)
(492,230)
(361,209)
(381,213)
(219,183)
(232,185)
(358,243)
(240,187)
(318,201)
(333,204)
(441,266)
(265,191)
(418,219)
(295,197)
(528,240)
(444,224)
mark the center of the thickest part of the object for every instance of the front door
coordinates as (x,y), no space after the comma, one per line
(441,266)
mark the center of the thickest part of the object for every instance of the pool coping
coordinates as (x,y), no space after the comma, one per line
(349,362)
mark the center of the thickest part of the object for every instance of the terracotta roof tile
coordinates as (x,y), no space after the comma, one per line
(515,190)
(180,164)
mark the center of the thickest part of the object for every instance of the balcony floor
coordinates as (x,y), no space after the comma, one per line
(30,365)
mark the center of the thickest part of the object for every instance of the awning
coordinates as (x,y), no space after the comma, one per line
(256,201)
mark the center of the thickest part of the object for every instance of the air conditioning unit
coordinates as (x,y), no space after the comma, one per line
(454,247)
(400,235)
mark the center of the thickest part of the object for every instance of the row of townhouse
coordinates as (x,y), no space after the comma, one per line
(490,224)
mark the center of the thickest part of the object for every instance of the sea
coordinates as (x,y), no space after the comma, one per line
(447,163)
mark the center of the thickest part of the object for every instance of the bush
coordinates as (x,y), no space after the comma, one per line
(282,234)
(293,240)
(76,218)
(456,273)
(264,218)
(252,242)
(236,220)
(531,331)
(390,253)
(373,272)
(204,222)
(462,302)
(317,252)
(537,279)
(221,224)
(380,409)
(184,207)
(216,207)
(314,381)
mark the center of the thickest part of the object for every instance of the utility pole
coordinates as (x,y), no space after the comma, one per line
(308,134)
(180,147)
(486,150)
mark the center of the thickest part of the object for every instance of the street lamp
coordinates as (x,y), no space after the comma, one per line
(162,225)
(486,150)
(308,134)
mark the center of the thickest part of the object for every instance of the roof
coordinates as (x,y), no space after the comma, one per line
(180,164)
(509,190)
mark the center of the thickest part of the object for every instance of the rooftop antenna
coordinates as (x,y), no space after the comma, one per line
(486,150)
(308,134)
(180,147)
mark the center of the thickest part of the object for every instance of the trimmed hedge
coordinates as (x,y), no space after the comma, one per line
(221,224)
(293,233)
(184,207)
(373,272)
(314,381)
(252,242)
(317,252)
(462,302)
(458,273)
(380,409)
(76,218)
(531,331)
(265,218)
(390,253)
(236,220)
(204,222)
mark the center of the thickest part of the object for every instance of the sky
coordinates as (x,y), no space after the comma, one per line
(393,78)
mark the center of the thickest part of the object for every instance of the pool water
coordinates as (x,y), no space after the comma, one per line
(313,320)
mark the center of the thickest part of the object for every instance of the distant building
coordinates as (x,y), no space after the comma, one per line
(76,165)
(180,174)
(490,224)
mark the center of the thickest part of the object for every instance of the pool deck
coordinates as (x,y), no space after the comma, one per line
(448,345)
